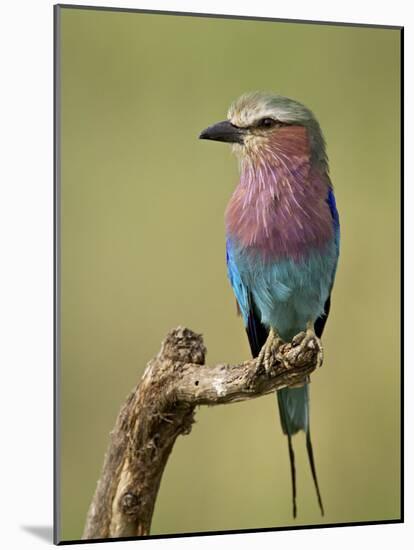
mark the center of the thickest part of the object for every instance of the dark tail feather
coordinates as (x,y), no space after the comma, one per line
(294,417)
(293,474)
(313,470)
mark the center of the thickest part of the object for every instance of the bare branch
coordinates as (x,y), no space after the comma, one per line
(160,408)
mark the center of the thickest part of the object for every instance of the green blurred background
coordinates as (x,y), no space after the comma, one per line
(143,251)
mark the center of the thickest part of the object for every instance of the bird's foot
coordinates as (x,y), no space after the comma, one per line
(267,356)
(306,345)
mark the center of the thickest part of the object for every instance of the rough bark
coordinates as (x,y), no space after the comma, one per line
(160,408)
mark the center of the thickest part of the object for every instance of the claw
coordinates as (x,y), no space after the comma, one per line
(268,351)
(296,340)
(304,347)
(308,341)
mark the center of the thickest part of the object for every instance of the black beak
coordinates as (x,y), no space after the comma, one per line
(224,131)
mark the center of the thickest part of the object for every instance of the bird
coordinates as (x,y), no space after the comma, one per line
(282,239)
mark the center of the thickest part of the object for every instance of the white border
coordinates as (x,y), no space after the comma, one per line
(26,268)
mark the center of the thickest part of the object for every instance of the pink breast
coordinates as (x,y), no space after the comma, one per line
(279,209)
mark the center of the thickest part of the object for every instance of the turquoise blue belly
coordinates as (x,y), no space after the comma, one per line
(286,293)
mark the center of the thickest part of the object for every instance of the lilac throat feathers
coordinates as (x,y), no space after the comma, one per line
(279,208)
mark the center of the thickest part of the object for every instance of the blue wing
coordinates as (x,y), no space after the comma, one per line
(256,331)
(239,289)
(321,321)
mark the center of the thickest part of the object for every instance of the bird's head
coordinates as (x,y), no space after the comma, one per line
(260,123)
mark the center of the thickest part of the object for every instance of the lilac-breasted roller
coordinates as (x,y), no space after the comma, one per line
(282,237)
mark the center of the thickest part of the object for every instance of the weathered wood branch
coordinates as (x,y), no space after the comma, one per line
(160,408)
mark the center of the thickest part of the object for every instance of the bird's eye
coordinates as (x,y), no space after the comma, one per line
(266,123)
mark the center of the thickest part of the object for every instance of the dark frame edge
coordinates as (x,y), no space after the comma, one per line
(56,275)
(235,532)
(402,279)
(228,16)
